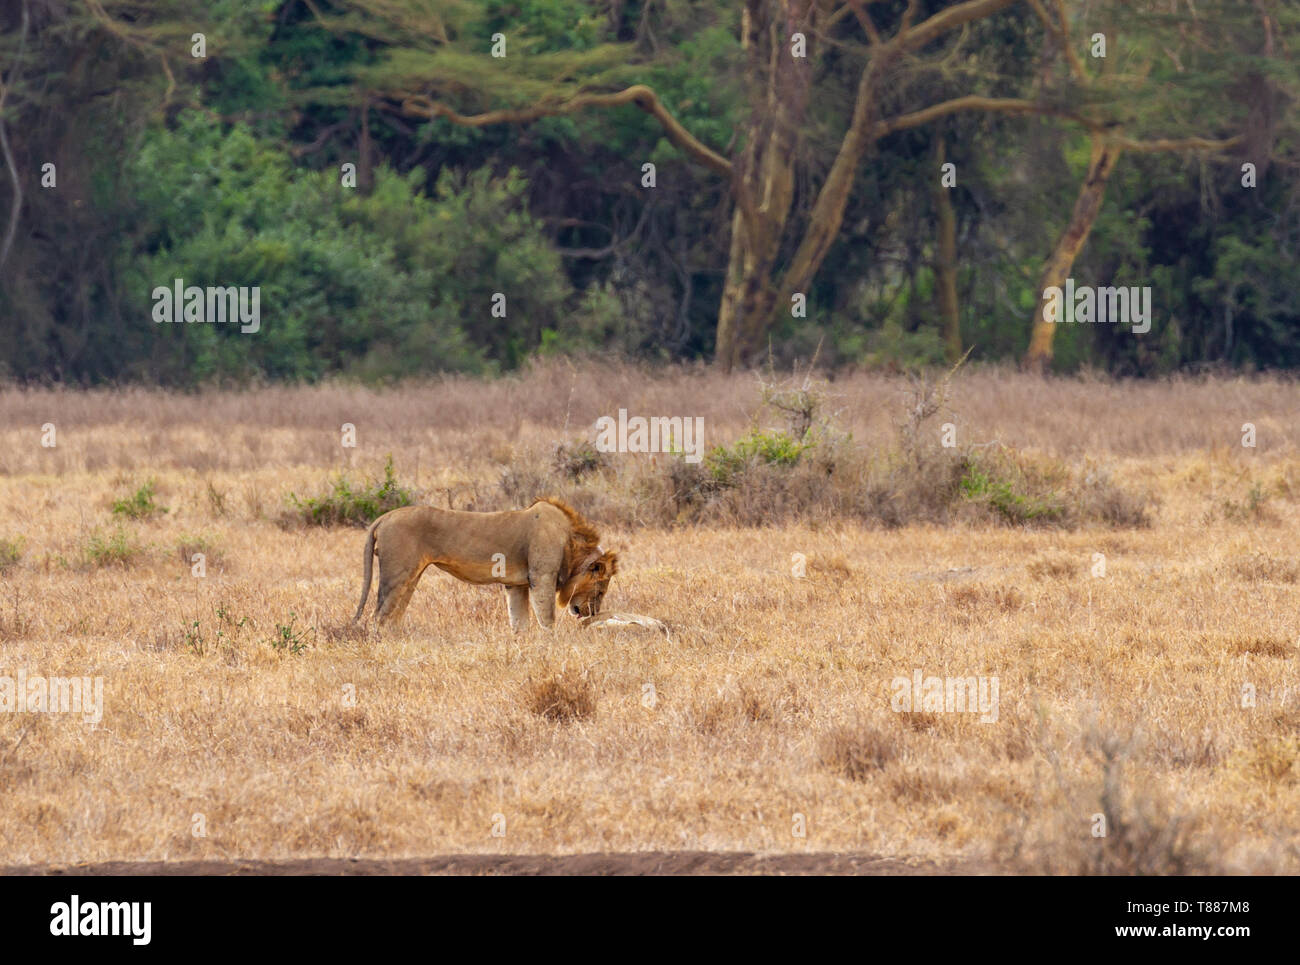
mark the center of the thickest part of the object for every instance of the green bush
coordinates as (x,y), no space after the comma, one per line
(140,504)
(774,448)
(346,503)
(1009,494)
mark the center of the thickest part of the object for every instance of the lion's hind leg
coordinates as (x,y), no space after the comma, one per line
(396,584)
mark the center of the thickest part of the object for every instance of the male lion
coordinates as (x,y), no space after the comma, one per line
(546,547)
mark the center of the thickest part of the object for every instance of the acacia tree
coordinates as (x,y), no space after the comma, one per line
(779,39)
(774,255)
(1212,65)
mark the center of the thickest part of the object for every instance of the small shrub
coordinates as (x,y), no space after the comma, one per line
(858,752)
(253,499)
(925,785)
(1273,761)
(1099,499)
(346,632)
(188,546)
(1144,835)
(288,638)
(689,483)
(520,485)
(11,551)
(835,567)
(216,500)
(800,400)
(194,640)
(222,633)
(345,504)
(561,697)
(140,504)
(1252,508)
(773,448)
(1005,598)
(1006,491)
(748,704)
(117,549)
(14,624)
(1262,647)
(577,460)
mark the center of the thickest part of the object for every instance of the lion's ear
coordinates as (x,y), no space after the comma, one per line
(604,566)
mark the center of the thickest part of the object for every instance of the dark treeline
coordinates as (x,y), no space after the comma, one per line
(426,185)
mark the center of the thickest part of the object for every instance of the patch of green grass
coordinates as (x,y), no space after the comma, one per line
(116,549)
(140,504)
(346,503)
(11,551)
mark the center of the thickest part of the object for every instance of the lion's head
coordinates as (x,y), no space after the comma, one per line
(587,567)
(588,583)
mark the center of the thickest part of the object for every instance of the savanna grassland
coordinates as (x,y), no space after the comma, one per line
(1110,551)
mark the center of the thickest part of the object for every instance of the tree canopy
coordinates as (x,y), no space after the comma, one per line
(453,185)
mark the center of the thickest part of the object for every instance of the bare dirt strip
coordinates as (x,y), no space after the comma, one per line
(631,863)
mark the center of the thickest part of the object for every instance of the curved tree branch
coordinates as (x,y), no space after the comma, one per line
(1178,144)
(418,105)
(1011,105)
(124,33)
(974,102)
(910,38)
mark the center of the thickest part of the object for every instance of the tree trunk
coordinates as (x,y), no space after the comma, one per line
(1057,268)
(945,265)
(763,182)
(747,293)
(365,154)
(828,212)
(741,332)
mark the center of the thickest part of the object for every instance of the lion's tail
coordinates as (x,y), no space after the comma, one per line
(368,566)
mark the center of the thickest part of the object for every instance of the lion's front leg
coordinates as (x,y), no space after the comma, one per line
(517,604)
(544,598)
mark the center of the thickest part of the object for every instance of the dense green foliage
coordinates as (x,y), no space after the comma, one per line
(227,170)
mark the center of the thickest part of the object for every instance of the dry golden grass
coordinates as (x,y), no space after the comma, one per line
(246,696)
